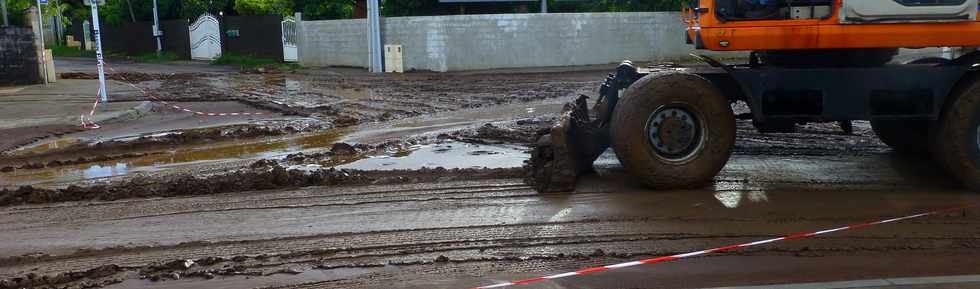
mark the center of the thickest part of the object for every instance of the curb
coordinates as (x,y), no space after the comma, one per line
(870,283)
(130,114)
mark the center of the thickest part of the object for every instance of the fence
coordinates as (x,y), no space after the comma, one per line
(253,35)
(137,38)
(466,42)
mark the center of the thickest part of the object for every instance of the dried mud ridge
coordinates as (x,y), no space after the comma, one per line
(261,175)
(129,76)
(347,100)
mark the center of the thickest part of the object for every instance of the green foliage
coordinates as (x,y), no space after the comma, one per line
(395,8)
(191,9)
(325,9)
(616,5)
(264,7)
(152,57)
(65,51)
(251,62)
(15,11)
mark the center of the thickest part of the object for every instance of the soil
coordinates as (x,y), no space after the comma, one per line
(293,221)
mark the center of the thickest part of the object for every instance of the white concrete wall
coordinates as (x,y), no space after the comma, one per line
(468,42)
(333,43)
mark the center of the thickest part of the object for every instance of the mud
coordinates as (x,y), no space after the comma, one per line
(260,175)
(377,204)
(354,98)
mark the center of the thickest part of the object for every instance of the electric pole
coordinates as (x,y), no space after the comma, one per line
(3,6)
(374,37)
(156,28)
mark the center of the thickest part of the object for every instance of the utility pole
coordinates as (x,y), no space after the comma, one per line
(3,6)
(59,25)
(156,28)
(544,6)
(40,29)
(374,36)
(103,89)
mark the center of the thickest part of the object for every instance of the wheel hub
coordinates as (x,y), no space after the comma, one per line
(674,133)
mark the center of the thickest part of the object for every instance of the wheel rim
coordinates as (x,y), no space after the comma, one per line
(978,137)
(675,132)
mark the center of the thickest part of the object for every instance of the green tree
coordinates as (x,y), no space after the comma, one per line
(395,8)
(264,7)
(191,9)
(325,9)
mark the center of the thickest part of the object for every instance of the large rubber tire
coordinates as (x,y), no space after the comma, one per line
(957,143)
(634,149)
(908,137)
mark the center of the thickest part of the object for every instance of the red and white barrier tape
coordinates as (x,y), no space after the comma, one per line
(717,250)
(87,122)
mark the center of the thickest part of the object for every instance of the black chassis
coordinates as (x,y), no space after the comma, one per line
(820,94)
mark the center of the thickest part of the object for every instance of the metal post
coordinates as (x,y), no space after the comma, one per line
(544,6)
(156,28)
(103,88)
(58,24)
(3,6)
(374,37)
(40,29)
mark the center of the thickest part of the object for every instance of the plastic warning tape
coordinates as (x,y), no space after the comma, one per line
(177,107)
(718,250)
(86,121)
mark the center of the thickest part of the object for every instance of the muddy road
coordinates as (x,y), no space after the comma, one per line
(351,180)
(459,234)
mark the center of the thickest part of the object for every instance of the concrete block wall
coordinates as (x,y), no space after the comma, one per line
(333,43)
(468,42)
(18,56)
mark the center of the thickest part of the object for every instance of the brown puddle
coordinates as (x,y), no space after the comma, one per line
(156,161)
(46,147)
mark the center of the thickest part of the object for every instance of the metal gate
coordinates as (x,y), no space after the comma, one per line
(205,38)
(289,51)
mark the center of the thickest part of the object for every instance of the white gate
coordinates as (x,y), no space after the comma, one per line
(289,52)
(205,38)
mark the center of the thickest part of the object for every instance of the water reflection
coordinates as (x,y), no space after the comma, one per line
(734,194)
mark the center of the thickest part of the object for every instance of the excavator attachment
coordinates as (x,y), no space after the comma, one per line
(574,142)
(578,137)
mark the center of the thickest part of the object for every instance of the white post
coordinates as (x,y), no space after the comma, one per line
(544,6)
(103,88)
(299,37)
(374,37)
(3,6)
(40,26)
(156,27)
(59,25)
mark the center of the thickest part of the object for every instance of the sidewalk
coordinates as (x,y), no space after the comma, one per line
(31,112)
(937,282)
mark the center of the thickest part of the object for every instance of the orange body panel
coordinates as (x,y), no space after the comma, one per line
(827,33)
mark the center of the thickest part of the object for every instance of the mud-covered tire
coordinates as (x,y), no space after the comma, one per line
(908,137)
(957,144)
(646,99)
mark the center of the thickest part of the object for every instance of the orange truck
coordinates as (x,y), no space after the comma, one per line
(809,61)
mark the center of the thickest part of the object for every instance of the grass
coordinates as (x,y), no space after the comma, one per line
(249,62)
(65,51)
(152,57)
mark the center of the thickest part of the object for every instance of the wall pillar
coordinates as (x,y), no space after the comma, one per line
(32,20)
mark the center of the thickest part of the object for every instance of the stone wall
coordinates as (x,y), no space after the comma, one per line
(18,56)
